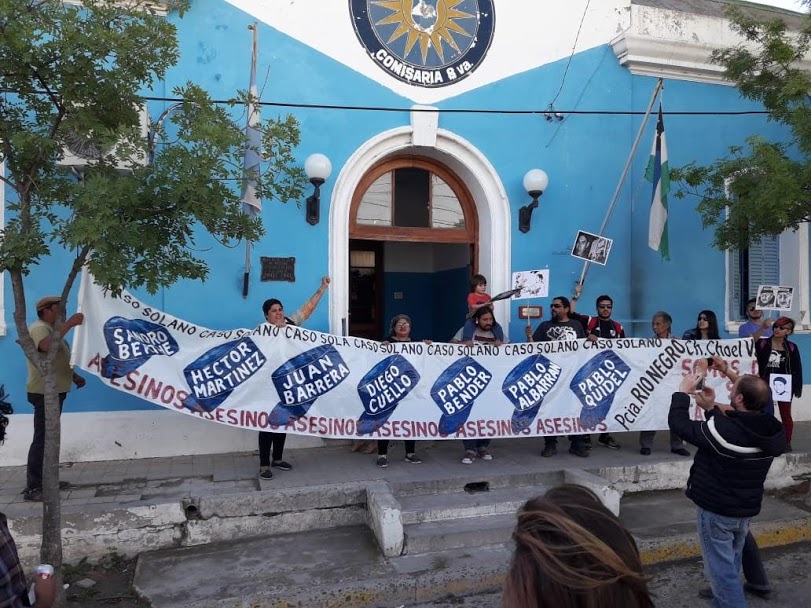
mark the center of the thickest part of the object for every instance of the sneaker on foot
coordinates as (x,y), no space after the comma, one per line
(469,457)
(382,461)
(608,442)
(680,451)
(281,465)
(644,451)
(413,459)
(484,454)
(549,450)
(579,450)
(705,594)
(265,474)
(34,495)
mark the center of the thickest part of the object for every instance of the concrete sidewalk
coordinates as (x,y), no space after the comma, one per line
(213,512)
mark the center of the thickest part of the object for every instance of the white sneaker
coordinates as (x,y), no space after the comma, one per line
(485,455)
(469,458)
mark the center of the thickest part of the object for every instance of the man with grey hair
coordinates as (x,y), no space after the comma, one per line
(736,445)
(662,323)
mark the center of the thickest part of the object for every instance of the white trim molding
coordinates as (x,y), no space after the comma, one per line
(673,44)
(472,167)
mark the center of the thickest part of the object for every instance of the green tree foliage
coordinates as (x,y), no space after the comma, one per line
(75,75)
(761,188)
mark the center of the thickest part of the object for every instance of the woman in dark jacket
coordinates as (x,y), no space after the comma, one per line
(706,327)
(778,355)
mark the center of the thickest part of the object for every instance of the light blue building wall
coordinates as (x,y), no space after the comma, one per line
(583,155)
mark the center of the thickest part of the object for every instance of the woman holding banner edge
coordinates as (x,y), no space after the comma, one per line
(399,331)
(273,310)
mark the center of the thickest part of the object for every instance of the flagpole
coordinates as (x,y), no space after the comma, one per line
(251,203)
(656,90)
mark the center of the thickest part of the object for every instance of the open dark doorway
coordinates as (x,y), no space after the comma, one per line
(366,289)
(427,281)
(413,232)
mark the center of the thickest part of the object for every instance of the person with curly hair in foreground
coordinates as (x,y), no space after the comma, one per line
(572,552)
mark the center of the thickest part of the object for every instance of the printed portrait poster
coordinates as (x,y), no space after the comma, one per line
(781,386)
(774,297)
(592,247)
(784,297)
(531,284)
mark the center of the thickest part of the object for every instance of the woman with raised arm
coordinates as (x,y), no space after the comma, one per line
(399,331)
(274,314)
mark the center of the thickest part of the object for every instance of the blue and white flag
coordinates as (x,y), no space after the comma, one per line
(658,173)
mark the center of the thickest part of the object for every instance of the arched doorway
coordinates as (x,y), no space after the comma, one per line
(493,257)
(413,231)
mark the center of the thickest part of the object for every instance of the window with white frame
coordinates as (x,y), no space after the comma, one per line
(776,260)
(759,264)
(779,260)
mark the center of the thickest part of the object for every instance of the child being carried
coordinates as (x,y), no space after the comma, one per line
(479,298)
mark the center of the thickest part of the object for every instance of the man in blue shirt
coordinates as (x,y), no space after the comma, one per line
(755,327)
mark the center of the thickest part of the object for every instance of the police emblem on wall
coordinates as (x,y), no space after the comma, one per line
(426,43)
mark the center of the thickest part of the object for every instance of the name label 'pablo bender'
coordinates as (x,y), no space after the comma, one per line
(463,389)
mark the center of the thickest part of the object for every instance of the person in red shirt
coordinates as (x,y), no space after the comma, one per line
(476,299)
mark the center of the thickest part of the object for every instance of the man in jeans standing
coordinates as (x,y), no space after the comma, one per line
(736,446)
(41,331)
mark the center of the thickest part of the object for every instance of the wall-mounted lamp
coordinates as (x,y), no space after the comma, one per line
(535,182)
(317,167)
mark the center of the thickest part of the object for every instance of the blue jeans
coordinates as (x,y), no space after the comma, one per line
(722,541)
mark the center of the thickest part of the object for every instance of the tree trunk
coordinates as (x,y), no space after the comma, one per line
(51,549)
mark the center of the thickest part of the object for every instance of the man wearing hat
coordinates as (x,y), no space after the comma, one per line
(48,309)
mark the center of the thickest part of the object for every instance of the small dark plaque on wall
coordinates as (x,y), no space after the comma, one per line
(278,269)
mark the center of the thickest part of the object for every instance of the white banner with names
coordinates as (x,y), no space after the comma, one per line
(294,380)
